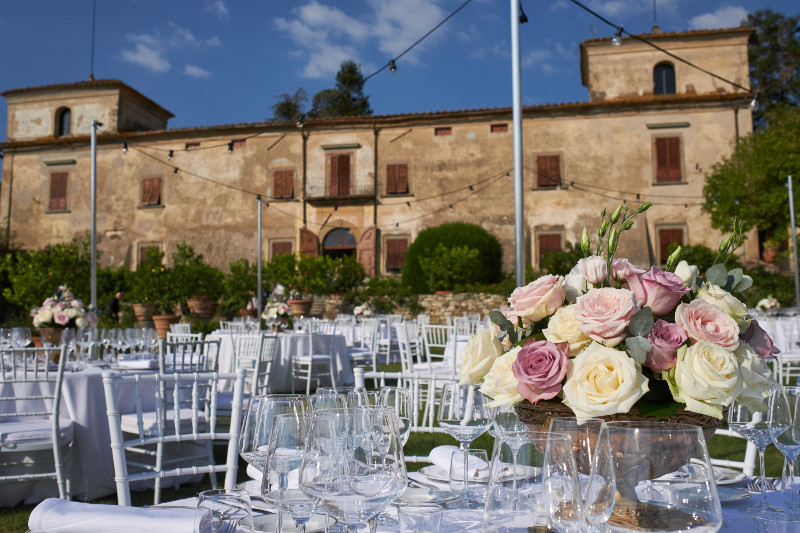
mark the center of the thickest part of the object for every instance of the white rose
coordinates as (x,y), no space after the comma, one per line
(45,316)
(71,312)
(478,356)
(37,321)
(603,381)
(500,384)
(594,268)
(756,375)
(81,322)
(706,377)
(727,302)
(575,284)
(688,273)
(563,327)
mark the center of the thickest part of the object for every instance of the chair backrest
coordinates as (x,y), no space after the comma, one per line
(369,333)
(408,343)
(183,337)
(193,419)
(423,319)
(188,356)
(180,327)
(467,326)
(260,383)
(321,335)
(39,397)
(748,464)
(436,340)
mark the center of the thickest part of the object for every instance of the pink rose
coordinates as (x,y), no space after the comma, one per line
(594,268)
(758,339)
(76,304)
(61,318)
(665,339)
(605,314)
(537,299)
(661,291)
(622,269)
(540,368)
(707,322)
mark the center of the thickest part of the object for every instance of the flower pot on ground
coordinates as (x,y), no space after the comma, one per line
(300,307)
(203,307)
(163,322)
(143,312)
(769,255)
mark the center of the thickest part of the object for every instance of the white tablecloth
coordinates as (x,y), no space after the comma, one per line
(289,343)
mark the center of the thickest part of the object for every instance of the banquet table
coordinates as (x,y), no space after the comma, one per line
(289,343)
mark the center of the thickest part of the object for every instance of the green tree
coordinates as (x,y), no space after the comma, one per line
(290,107)
(750,184)
(774,55)
(347,99)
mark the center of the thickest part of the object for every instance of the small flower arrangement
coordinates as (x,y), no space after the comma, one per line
(277,310)
(62,310)
(611,335)
(363,310)
(768,304)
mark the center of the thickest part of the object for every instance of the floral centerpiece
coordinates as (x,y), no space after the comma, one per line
(612,337)
(60,311)
(363,310)
(277,310)
(770,303)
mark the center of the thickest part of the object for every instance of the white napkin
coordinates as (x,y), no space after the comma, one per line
(138,364)
(57,515)
(440,456)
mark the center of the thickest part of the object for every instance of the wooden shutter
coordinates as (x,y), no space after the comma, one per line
(395,254)
(279,248)
(668,159)
(155,193)
(548,242)
(340,175)
(548,170)
(283,186)
(667,237)
(146,186)
(58,191)
(396,179)
(334,175)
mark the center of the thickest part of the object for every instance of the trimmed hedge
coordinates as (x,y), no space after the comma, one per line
(455,234)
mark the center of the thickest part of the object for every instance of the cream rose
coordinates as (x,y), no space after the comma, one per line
(563,327)
(706,377)
(756,375)
(71,312)
(718,296)
(45,316)
(81,322)
(603,381)
(688,273)
(538,299)
(478,356)
(500,384)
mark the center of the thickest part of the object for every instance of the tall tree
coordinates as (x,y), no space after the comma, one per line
(290,107)
(347,99)
(774,55)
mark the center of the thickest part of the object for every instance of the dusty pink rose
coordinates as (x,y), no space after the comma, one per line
(60,318)
(661,291)
(594,268)
(624,270)
(665,339)
(758,339)
(76,304)
(540,368)
(605,314)
(537,299)
(707,322)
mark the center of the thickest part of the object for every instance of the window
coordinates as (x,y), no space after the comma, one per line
(192,146)
(340,175)
(668,159)
(239,143)
(281,247)
(397,179)
(283,184)
(499,128)
(58,191)
(548,170)
(396,254)
(443,131)
(151,191)
(666,238)
(546,243)
(63,122)
(144,248)
(664,79)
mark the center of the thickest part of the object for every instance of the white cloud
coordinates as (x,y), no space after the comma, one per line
(151,50)
(218,8)
(196,72)
(537,58)
(724,17)
(146,56)
(615,8)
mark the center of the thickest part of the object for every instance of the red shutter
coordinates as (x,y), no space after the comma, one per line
(334,175)
(155,194)
(548,242)
(288,184)
(146,186)
(279,248)
(668,159)
(391,179)
(344,175)
(667,237)
(58,191)
(395,254)
(402,179)
(277,184)
(548,170)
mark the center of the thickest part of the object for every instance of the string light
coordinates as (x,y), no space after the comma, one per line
(616,40)
(124,148)
(175,170)
(170,154)
(230,147)
(392,66)
(523,18)
(754,103)
(451,209)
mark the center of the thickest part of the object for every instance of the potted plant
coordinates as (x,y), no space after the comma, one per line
(154,287)
(144,292)
(239,286)
(198,284)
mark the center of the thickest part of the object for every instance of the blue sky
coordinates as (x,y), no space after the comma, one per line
(225,61)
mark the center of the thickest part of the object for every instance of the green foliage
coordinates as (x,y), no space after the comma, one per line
(384,295)
(239,286)
(349,274)
(193,277)
(154,283)
(453,235)
(560,262)
(446,267)
(290,107)
(775,284)
(751,184)
(347,99)
(314,274)
(281,270)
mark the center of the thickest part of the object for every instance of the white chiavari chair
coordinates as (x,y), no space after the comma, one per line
(318,360)
(180,327)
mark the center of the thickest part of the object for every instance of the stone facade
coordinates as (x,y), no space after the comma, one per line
(371,184)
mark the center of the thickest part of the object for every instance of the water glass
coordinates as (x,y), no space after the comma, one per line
(420,518)
(257,424)
(20,337)
(774,521)
(562,490)
(399,400)
(473,485)
(222,511)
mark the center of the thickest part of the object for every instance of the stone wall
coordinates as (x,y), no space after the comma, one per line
(438,306)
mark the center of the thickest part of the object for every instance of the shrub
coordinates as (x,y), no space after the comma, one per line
(154,283)
(489,269)
(560,262)
(447,267)
(193,277)
(239,286)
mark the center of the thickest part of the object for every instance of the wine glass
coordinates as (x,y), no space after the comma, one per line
(257,425)
(784,428)
(752,423)
(20,337)
(562,490)
(327,401)
(287,443)
(223,511)
(353,463)
(400,401)
(464,414)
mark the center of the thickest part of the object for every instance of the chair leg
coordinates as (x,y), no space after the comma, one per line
(159,468)
(330,366)
(308,378)
(212,475)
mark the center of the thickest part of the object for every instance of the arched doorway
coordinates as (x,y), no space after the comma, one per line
(339,242)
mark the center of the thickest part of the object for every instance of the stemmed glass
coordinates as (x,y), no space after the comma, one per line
(400,401)
(752,423)
(353,464)
(20,337)
(284,456)
(464,414)
(562,490)
(257,424)
(784,428)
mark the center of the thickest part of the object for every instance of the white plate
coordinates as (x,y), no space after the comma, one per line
(437,474)
(425,495)
(726,476)
(269,522)
(728,494)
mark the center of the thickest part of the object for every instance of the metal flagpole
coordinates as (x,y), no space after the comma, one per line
(258,290)
(794,245)
(93,243)
(519,230)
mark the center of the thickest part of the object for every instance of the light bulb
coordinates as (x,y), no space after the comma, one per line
(616,40)
(753,105)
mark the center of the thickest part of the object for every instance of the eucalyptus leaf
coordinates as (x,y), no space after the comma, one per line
(734,278)
(638,348)
(718,275)
(642,322)
(501,321)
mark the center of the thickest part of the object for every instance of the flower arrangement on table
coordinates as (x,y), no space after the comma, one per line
(611,335)
(363,310)
(277,310)
(62,310)
(769,303)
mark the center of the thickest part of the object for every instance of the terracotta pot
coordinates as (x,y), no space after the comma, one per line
(143,312)
(162,323)
(203,307)
(51,335)
(244,312)
(769,255)
(300,307)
